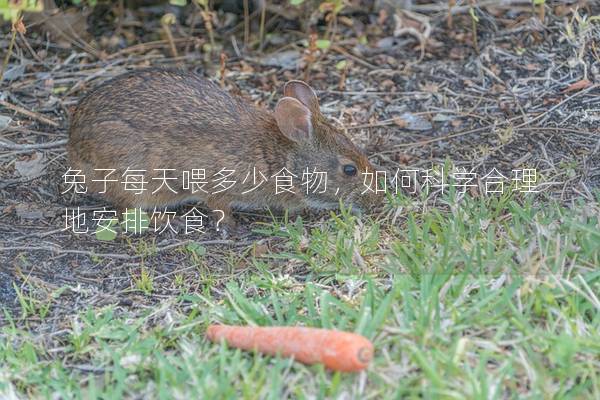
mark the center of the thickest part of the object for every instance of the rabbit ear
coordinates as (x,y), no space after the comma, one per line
(303,93)
(294,120)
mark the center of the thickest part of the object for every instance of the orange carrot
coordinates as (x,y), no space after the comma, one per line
(338,351)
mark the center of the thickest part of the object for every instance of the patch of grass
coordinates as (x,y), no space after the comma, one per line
(336,247)
(480,298)
(30,306)
(144,282)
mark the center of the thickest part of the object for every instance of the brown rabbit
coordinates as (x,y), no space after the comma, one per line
(161,123)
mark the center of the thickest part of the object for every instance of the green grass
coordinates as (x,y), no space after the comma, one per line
(481,299)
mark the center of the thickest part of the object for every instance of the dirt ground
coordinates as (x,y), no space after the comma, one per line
(414,93)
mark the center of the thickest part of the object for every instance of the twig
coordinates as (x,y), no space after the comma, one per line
(246,24)
(16,146)
(9,52)
(525,123)
(38,234)
(261,34)
(208,25)
(147,46)
(166,21)
(346,53)
(310,57)
(476,130)
(474,21)
(88,368)
(34,54)
(57,249)
(451,3)
(422,36)
(445,7)
(9,182)
(75,39)
(30,114)
(223,68)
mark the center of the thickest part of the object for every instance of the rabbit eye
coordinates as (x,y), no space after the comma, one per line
(350,170)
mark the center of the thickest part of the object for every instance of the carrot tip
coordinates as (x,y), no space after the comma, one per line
(365,355)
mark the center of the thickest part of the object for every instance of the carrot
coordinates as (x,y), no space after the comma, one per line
(338,351)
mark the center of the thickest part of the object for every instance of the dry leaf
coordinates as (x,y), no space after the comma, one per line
(497,88)
(403,158)
(457,53)
(19,26)
(430,87)
(31,167)
(260,249)
(400,122)
(579,85)
(412,122)
(387,84)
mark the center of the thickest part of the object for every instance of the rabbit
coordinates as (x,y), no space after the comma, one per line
(160,123)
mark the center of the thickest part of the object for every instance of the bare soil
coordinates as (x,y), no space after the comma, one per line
(528,98)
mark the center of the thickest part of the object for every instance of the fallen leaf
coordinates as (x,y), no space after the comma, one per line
(430,88)
(260,249)
(497,88)
(323,44)
(387,84)
(32,167)
(457,53)
(441,117)
(400,122)
(403,158)
(62,25)
(20,27)
(246,68)
(579,85)
(412,122)
(196,248)
(341,65)
(345,21)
